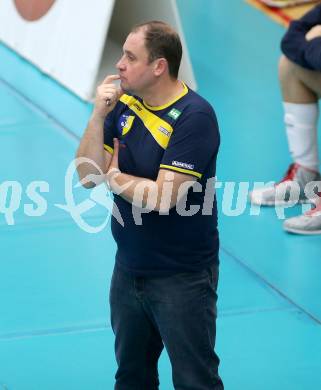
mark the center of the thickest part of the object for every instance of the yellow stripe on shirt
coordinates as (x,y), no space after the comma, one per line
(158,108)
(199,175)
(109,149)
(160,130)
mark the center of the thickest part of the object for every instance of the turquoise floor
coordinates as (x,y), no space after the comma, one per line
(54,277)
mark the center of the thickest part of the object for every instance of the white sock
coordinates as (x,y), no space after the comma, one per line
(301,121)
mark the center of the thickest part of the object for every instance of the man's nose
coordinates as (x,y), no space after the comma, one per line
(120,64)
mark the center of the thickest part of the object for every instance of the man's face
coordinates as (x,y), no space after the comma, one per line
(136,73)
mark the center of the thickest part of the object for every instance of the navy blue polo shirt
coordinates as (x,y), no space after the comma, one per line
(181,136)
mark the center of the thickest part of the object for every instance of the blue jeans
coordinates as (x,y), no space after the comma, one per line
(178,311)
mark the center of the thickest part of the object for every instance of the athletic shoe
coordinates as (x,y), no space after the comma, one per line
(279,194)
(308,223)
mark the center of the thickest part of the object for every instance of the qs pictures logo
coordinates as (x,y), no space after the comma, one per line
(99,195)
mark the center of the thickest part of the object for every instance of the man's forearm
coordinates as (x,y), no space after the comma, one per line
(139,191)
(92,147)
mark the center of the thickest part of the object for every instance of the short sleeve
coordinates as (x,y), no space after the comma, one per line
(193,144)
(109,127)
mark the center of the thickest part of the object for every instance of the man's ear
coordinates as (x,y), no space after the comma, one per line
(160,66)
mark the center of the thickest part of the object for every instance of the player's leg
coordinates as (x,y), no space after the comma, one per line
(310,82)
(300,90)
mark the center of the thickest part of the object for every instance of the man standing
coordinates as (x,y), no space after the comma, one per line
(157,142)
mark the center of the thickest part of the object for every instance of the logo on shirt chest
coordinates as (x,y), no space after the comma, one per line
(126,123)
(174,113)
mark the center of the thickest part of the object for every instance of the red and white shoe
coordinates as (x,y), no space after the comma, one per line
(280,193)
(308,223)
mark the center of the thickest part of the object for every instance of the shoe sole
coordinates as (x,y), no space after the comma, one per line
(269,204)
(303,232)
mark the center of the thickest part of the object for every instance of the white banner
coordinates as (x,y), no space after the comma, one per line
(78,42)
(66,42)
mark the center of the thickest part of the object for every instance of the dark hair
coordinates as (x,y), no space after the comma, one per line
(162,41)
